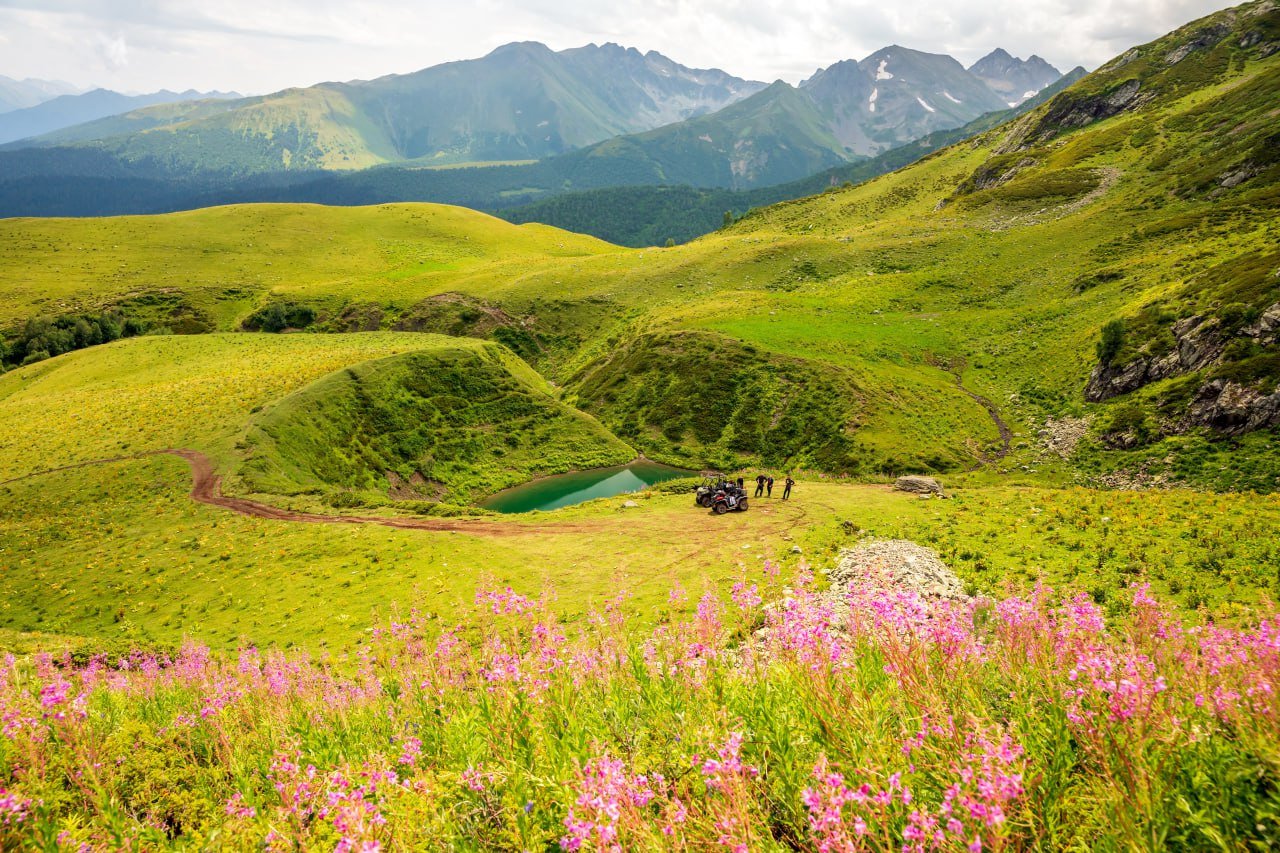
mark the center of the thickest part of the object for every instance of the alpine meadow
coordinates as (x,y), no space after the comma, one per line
(925,496)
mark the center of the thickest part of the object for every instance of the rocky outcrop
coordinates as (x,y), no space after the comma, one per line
(1071,110)
(1222,403)
(1199,344)
(1206,38)
(989,176)
(896,564)
(1232,409)
(1071,113)
(1266,329)
(918,485)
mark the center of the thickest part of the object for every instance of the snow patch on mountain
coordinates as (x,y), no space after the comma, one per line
(925,105)
(871,102)
(881,74)
(952,98)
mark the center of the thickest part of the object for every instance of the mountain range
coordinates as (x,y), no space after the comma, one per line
(69,110)
(1011,78)
(850,111)
(20,94)
(549,122)
(523,101)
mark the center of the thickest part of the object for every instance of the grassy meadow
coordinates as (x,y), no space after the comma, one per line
(634,672)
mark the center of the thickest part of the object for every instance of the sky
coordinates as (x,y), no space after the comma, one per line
(254,47)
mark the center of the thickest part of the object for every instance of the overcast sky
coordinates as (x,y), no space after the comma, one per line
(257,46)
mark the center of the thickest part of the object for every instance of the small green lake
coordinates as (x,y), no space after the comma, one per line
(568,489)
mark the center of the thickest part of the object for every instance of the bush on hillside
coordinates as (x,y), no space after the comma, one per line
(44,337)
(279,316)
(1111,341)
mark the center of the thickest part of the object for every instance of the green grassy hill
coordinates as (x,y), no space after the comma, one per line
(774,136)
(454,424)
(1135,196)
(118,553)
(218,265)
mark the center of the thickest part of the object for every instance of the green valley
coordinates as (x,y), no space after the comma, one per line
(1010,393)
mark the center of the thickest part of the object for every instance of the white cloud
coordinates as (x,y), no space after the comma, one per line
(254,46)
(114,51)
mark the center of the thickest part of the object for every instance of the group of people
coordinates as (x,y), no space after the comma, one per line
(764,486)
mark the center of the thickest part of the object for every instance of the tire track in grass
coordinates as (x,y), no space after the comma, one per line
(206,488)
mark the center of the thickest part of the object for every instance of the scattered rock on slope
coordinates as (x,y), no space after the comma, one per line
(897,564)
(1061,435)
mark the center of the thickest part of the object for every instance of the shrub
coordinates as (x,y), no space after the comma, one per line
(279,316)
(1235,315)
(44,337)
(1130,419)
(1112,339)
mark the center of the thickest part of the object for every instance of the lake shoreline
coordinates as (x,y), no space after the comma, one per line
(548,492)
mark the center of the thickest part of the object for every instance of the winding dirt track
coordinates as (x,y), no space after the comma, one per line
(206,488)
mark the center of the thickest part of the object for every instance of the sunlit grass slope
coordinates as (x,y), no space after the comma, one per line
(453,423)
(225,260)
(159,392)
(121,554)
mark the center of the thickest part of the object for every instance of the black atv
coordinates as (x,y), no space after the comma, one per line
(730,497)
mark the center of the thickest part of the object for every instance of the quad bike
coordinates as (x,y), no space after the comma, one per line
(731,498)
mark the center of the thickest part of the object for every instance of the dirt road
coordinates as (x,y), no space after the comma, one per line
(206,488)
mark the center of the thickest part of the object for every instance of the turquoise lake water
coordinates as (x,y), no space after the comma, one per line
(568,489)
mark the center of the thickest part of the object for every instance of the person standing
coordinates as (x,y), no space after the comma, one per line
(760,485)
(769,485)
(786,491)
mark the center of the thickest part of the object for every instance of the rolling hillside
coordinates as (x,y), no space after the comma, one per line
(934,304)
(248,598)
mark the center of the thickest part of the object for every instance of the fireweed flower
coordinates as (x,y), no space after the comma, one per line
(746,597)
(13,808)
(607,794)
(720,772)
(333,736)
(474,779)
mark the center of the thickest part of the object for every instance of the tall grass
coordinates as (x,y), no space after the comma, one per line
(862,721)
